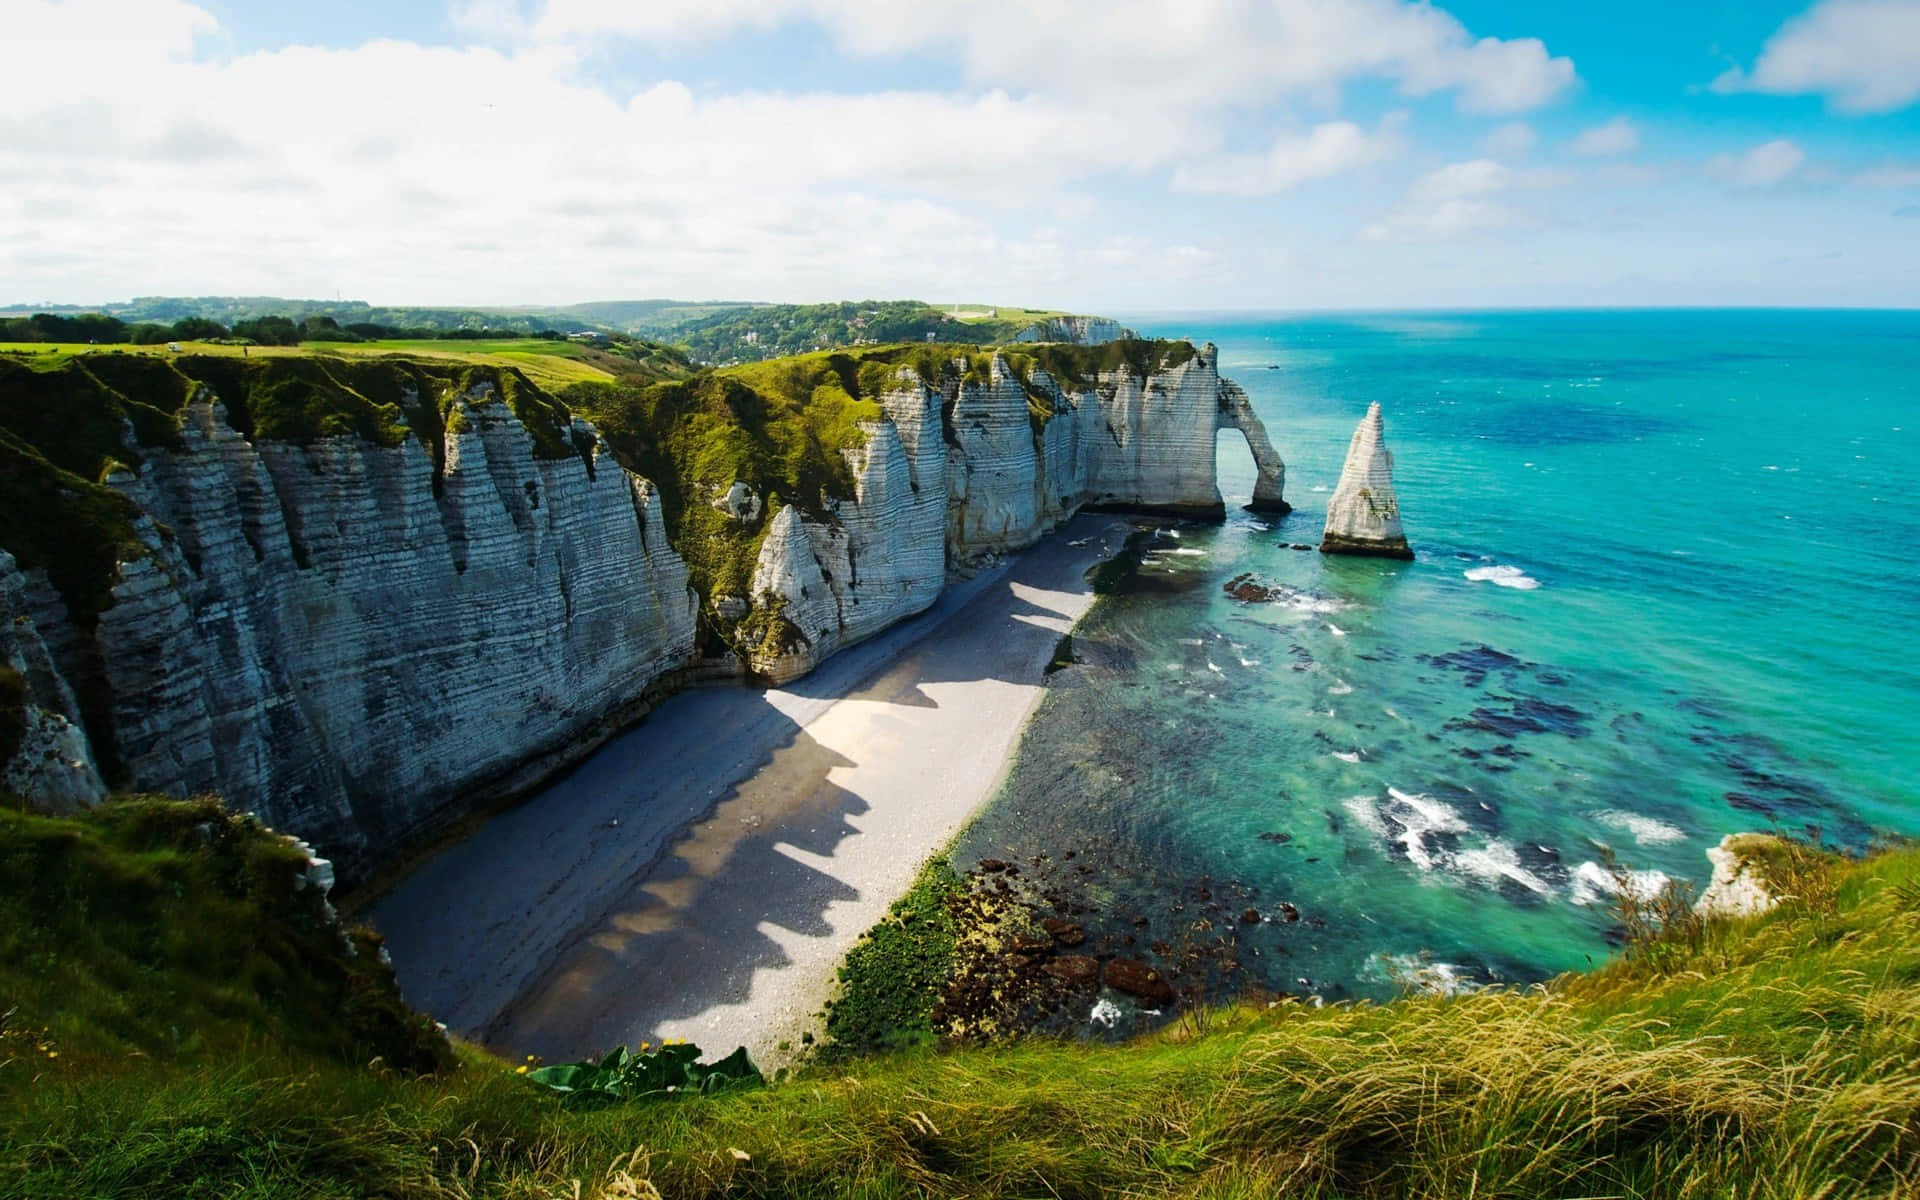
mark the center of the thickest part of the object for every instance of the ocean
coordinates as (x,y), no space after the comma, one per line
(1665,590)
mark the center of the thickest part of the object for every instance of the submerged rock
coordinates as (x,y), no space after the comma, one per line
(1363,515)
(1137,979)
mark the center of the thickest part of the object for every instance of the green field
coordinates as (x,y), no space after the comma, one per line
(975,314)
(549,364)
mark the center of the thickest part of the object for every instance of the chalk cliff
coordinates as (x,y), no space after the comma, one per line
(1363,515)
(1079,331)
(363,635)
(51,760)
(1023,455)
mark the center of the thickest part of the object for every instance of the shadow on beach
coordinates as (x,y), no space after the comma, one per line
(650,884)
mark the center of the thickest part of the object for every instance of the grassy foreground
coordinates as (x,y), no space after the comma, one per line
(1774,1057)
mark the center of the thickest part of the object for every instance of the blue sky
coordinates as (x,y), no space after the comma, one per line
(1127,156)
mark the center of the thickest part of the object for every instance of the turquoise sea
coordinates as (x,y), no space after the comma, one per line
(1666,589)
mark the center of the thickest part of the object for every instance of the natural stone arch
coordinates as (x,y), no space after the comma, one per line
(1271,481)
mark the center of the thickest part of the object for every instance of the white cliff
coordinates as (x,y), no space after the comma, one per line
(362,641)
(1078,331)
(1143,441)
(356,648)
(1363,514)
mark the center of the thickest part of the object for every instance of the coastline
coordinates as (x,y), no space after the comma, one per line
(679,885)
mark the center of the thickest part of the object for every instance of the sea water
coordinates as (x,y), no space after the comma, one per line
(1665,590)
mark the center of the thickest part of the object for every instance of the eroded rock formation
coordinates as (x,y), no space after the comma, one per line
(362,641)
(1363,514)
(994,483)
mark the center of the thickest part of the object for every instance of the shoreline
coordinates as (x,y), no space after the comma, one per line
(679,884)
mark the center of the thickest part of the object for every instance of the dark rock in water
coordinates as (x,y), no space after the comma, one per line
(1250,916)
(1276,837)
(1075,970)
(1529,714)
(1137,979)
(991,865)
(1066,933)
(1475,663)
(1752,804)
(1243,587)
(1288,912)
(1026,943)
(1300,546)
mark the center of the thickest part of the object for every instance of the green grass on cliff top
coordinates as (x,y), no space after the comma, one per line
(782,427)
(549,364)
(156,1045)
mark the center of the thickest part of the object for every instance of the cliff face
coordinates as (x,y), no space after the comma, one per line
(1078,331)
(1363,514)
(348,645)
(1129,438)
(361,640)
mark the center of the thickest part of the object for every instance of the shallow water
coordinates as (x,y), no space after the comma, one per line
(1665,590)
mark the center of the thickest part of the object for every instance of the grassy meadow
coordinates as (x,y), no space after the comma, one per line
(549,364)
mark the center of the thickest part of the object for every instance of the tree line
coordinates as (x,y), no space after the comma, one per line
(261,331)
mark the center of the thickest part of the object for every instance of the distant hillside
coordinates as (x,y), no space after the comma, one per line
(720,333)
(777,330)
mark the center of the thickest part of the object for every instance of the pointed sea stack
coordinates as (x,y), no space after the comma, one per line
(1363,516)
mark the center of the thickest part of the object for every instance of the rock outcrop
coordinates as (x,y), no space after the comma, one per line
(361,640)
(1363,514)
(1738,887)
(51,764)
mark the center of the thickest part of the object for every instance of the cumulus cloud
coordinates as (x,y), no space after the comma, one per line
(1186,53)
(511,169)
(1462,198)
(1512,140)
(1333,148)
(461,172)
(1617,136)
(1763,166)
(1862,55)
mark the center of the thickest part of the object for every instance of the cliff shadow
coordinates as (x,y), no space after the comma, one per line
(689,934)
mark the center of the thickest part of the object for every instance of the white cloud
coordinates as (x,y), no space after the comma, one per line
(1512,140)
(1890,175)
(1763,166)
(1188,54)
(459,174)
(1333,148)
(1862,55)
(1617,136)
(1462,198)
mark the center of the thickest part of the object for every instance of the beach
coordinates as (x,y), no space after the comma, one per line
(703,874)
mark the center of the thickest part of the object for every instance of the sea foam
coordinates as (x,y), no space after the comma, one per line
(1509,577)
(1645,830)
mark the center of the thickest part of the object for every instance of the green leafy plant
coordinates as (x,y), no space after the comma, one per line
(622,1075)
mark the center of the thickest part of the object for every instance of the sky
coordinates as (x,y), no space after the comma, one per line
(1124,156)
